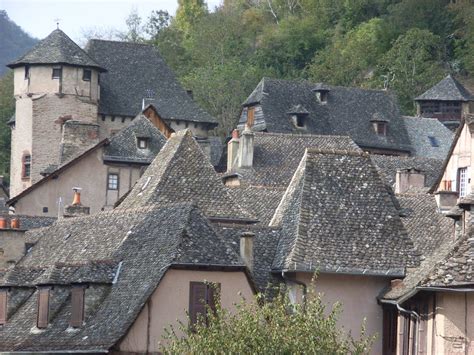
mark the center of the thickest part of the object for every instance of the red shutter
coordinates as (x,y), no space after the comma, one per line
(43,308)
(77,307)
(3,307)
(197,300)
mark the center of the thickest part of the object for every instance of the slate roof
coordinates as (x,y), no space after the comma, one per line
(431,233)
(337,216)
(448,89)
(136,71)
(57,48)
(347,112)
(389,164)
(277,155)
(429,138)
(123,146)
(182,173)
(122,255)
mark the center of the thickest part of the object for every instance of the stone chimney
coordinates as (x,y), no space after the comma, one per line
(233,150)
(246,249)
(76,209)
(246,148)
(407,179)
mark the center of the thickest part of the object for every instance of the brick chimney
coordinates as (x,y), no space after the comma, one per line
(246,148)
(233,150)
(407,179)
(246,249)
(76,209)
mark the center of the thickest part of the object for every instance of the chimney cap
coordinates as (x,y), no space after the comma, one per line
(247,235)
(235,134)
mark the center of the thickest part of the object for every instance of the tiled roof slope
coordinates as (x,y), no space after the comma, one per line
(448,89)
(57,48)
(277,155)
(429,138)
(337,216)
(145,241)
(388,166)
(182,173)
(135,70)
(123,146)
(431,233)
(348,112)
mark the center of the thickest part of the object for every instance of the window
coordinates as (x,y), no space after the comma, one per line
(77,306)
(45,210)
(202,298)
(26,168)
(250,116)
(142,143)
(86,75)
(380,128)
(462,182)
(42,317)
(112,181)
(300,121)
(433,141)
(57,73)
(3,306)
(389,339)
(27,71)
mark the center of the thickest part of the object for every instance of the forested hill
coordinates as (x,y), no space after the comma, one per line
(13,41)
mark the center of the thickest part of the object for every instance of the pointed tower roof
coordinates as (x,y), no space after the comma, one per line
(182,173)
(57,48)
(448,89)
(337,216)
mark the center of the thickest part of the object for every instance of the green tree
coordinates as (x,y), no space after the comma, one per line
(412,65)
(276,327)
(7,109)
(188,12)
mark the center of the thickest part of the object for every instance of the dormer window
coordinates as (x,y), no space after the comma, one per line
(322,92)
(42,316)
(250,116)
(322,96)
(299,115)
(77,306)
(299,121)
(86,75)
(57,73)
(380,127)
(142,143)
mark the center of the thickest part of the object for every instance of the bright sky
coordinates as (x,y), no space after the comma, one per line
(38,17)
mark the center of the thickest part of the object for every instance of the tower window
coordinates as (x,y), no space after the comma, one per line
(27,72)
(26,166)
(112,181)
(142,143)
(86,75)
(57,73)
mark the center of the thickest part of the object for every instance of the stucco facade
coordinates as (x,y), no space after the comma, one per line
(358,297)
(170,301)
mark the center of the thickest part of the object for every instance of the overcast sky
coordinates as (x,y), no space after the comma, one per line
(38,17)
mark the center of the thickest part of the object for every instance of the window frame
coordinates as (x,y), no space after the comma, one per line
(89,76)
(26,166)
(59,70)
(27,72)
(78,295)
(462,182)
(116,183)
(141,140)
(212,291)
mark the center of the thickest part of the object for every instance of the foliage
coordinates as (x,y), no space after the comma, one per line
(274,327)
(7,109)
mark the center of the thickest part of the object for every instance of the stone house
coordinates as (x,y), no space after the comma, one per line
(57,81)
(447,101)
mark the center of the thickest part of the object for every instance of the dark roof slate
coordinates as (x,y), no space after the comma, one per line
(429,138)
(123,146)
(182,173)
(347,112)
(337,216)
(448,89)
(57,48)
(126,252)
(137,71)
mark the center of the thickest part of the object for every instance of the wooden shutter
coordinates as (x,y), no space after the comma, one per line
(43,308)
(3,307)
(250,116)
(197,300)
(77,306)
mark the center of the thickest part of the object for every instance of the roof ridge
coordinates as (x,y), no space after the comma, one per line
(305,135)
(336,152)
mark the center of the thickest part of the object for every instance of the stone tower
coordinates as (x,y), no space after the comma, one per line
(54,83)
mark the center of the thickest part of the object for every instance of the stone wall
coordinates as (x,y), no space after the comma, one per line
(12,246)
(77,137)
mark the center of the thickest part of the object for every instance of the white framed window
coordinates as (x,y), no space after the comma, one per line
(142,143)
(462,182)
(112,181)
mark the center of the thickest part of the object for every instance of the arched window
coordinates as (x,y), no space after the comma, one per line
(26,166)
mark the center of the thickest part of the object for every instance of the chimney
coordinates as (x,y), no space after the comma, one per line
(76,209)
(408,178)
(233,150)
(246,148)
(3,223)
(15,223)
(246,249)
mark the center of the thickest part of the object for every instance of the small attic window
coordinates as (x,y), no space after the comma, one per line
(86,75)
(300,121)
(380,128)
(57,73)
(142,143)
(322,96)
(433,141)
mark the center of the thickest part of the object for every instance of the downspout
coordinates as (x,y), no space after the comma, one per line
(305,288)
(417,317)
